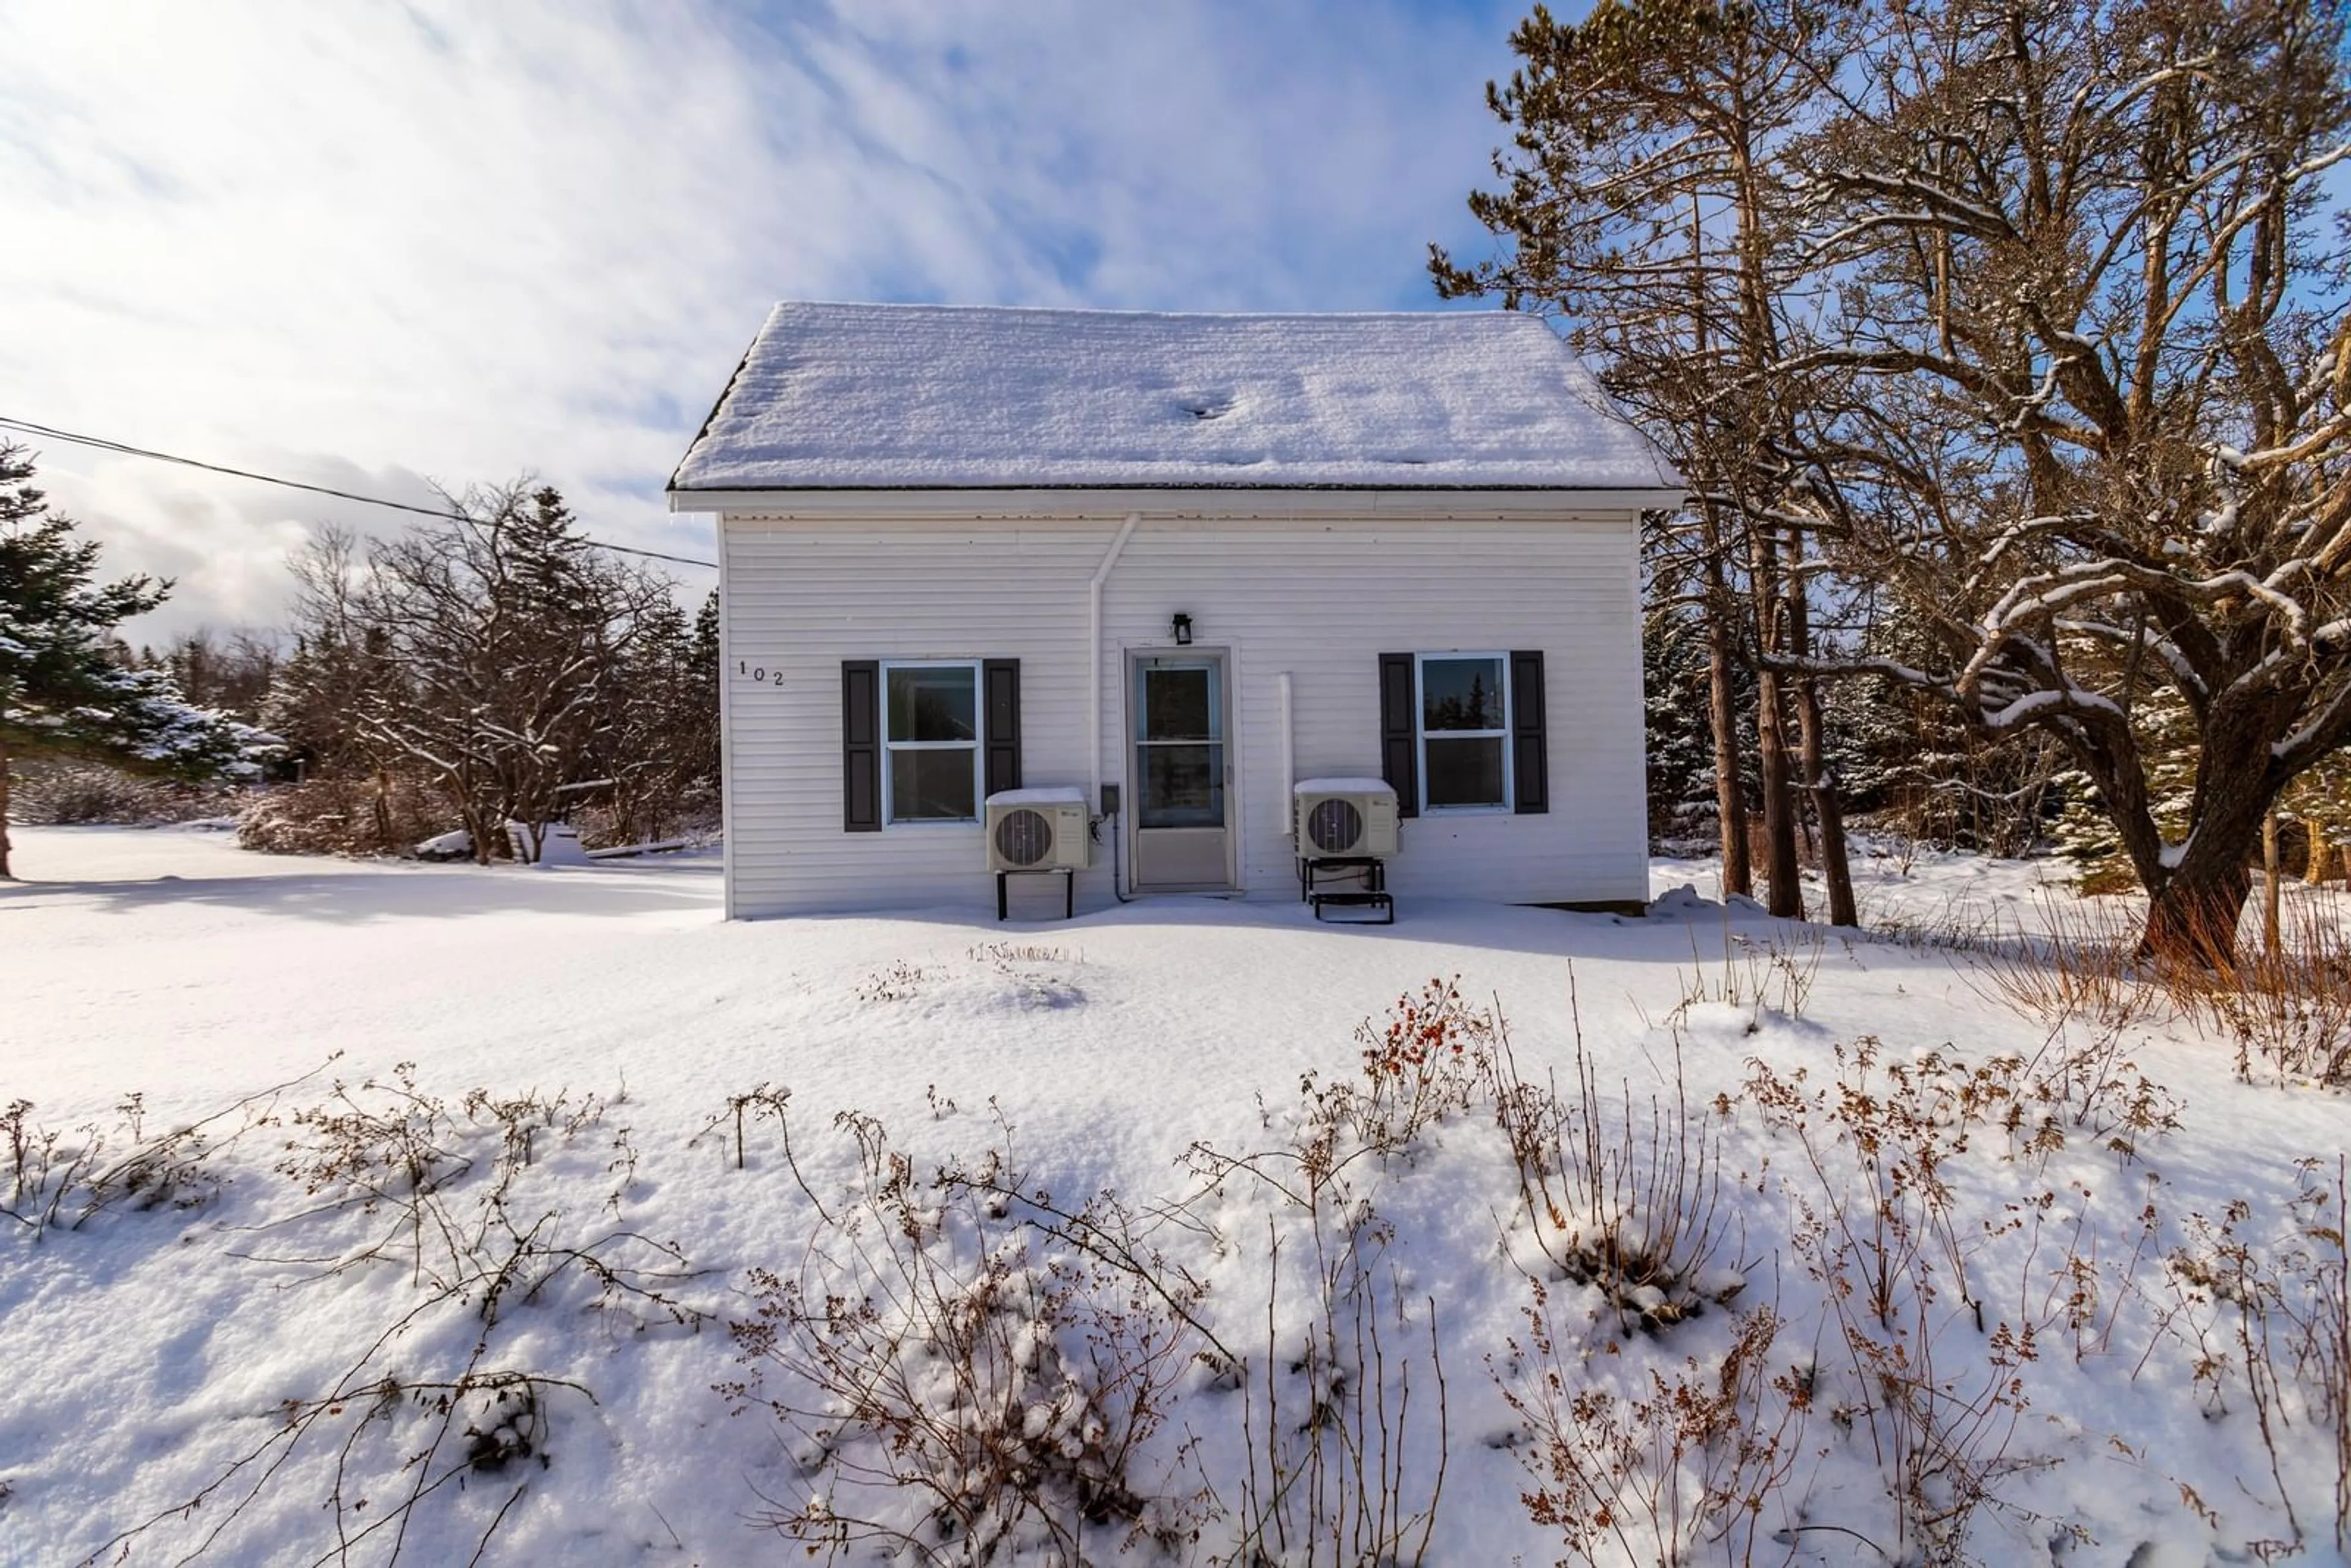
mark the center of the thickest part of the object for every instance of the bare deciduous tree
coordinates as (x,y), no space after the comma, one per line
(490,656)
(2101,423)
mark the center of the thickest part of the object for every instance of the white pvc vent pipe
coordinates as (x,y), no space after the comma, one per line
(1094,655)
(1288,764)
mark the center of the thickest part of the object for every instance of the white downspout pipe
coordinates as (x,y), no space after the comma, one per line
(1094,655)
(1288,764)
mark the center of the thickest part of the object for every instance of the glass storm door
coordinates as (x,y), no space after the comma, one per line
(1182,775)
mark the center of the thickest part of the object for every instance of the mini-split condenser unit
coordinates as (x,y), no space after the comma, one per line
(1350,817)
(1038,830)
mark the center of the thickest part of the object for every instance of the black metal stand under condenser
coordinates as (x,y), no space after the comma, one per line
(1372,894)
(1069,890)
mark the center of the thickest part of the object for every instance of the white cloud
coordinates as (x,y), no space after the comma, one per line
(358,244)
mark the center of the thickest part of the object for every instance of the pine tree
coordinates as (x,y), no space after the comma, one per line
(2026,315)
(1906,756)
(660,748)
(232,674)
(1674,679)
(1638,201)
(700,738)
(64,689)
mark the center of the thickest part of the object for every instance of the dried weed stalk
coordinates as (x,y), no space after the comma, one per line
(1345,1421)
(1679,1470)
(396,1441)
(896,983)
(60,1180)
(1430,1061)
(1933,1380)
(1342,1467)
(394,1176)
(2288,1009)
(970,1343)
(1764,979)
(2082,969)
(1625,1198)
(2282,1317)
(769,1100)
(441,1190)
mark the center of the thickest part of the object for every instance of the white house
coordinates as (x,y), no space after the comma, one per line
(1177,562)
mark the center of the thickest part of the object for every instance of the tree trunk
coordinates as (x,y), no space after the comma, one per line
(1730,784)
(2270,885)
(1757,350)
(2238,782)
(6,874)
(2196,905)
(1836,869)
(2192,918)
(462,796)
(382,812)
(2324,856)
(1837,866)
(1786,894)
(1722,713)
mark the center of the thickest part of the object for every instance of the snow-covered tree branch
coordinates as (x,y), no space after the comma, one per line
(66,686)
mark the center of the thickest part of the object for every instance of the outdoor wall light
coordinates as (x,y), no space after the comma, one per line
(1183,629)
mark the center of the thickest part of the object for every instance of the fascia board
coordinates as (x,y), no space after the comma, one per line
(1269,503)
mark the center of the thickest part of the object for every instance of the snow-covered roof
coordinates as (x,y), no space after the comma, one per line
(844,397)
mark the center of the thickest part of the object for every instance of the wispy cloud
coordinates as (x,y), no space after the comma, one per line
(360,244)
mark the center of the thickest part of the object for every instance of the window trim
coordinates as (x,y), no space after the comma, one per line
(977,745)
(1508,804)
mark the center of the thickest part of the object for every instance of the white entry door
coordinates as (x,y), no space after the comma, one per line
(1183,773)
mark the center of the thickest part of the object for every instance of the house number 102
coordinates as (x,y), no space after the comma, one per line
(759,673)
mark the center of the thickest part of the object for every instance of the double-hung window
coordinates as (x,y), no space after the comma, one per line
(1465,731)
(931,741)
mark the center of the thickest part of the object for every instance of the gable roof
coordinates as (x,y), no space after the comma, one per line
(845,397)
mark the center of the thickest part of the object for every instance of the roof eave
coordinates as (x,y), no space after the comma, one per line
(1233,500)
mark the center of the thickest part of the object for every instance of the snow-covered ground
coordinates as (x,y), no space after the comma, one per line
(149,1350)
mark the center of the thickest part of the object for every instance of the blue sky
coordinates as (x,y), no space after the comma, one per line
(369,244)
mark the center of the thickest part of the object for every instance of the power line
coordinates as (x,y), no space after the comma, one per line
(50,432)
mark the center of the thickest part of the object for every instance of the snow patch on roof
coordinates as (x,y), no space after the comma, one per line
(954,397)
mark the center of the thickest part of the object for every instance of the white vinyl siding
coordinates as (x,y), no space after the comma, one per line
(1318,600)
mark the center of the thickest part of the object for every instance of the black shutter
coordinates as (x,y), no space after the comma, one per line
(1530,762)
(1399,749)
(1001,731)
(861,746)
